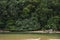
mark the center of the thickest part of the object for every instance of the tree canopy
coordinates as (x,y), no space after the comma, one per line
(27,15)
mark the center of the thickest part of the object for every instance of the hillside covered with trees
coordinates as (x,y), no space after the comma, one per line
(28,15)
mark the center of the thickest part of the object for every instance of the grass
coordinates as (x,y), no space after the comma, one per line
(25,36)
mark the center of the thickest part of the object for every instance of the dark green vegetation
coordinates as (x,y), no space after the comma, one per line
(26,15)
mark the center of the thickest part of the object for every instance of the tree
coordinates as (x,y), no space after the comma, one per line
(52,23)
(29,14)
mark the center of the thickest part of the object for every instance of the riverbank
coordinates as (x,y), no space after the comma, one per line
(28,36)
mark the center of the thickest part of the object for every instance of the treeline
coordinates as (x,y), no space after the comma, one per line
(26,15)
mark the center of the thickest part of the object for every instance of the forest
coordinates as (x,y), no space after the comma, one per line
(29,15)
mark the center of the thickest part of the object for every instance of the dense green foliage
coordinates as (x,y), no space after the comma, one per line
(24,15)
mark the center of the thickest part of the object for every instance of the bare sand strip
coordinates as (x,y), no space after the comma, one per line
(54,39)
(33,39)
